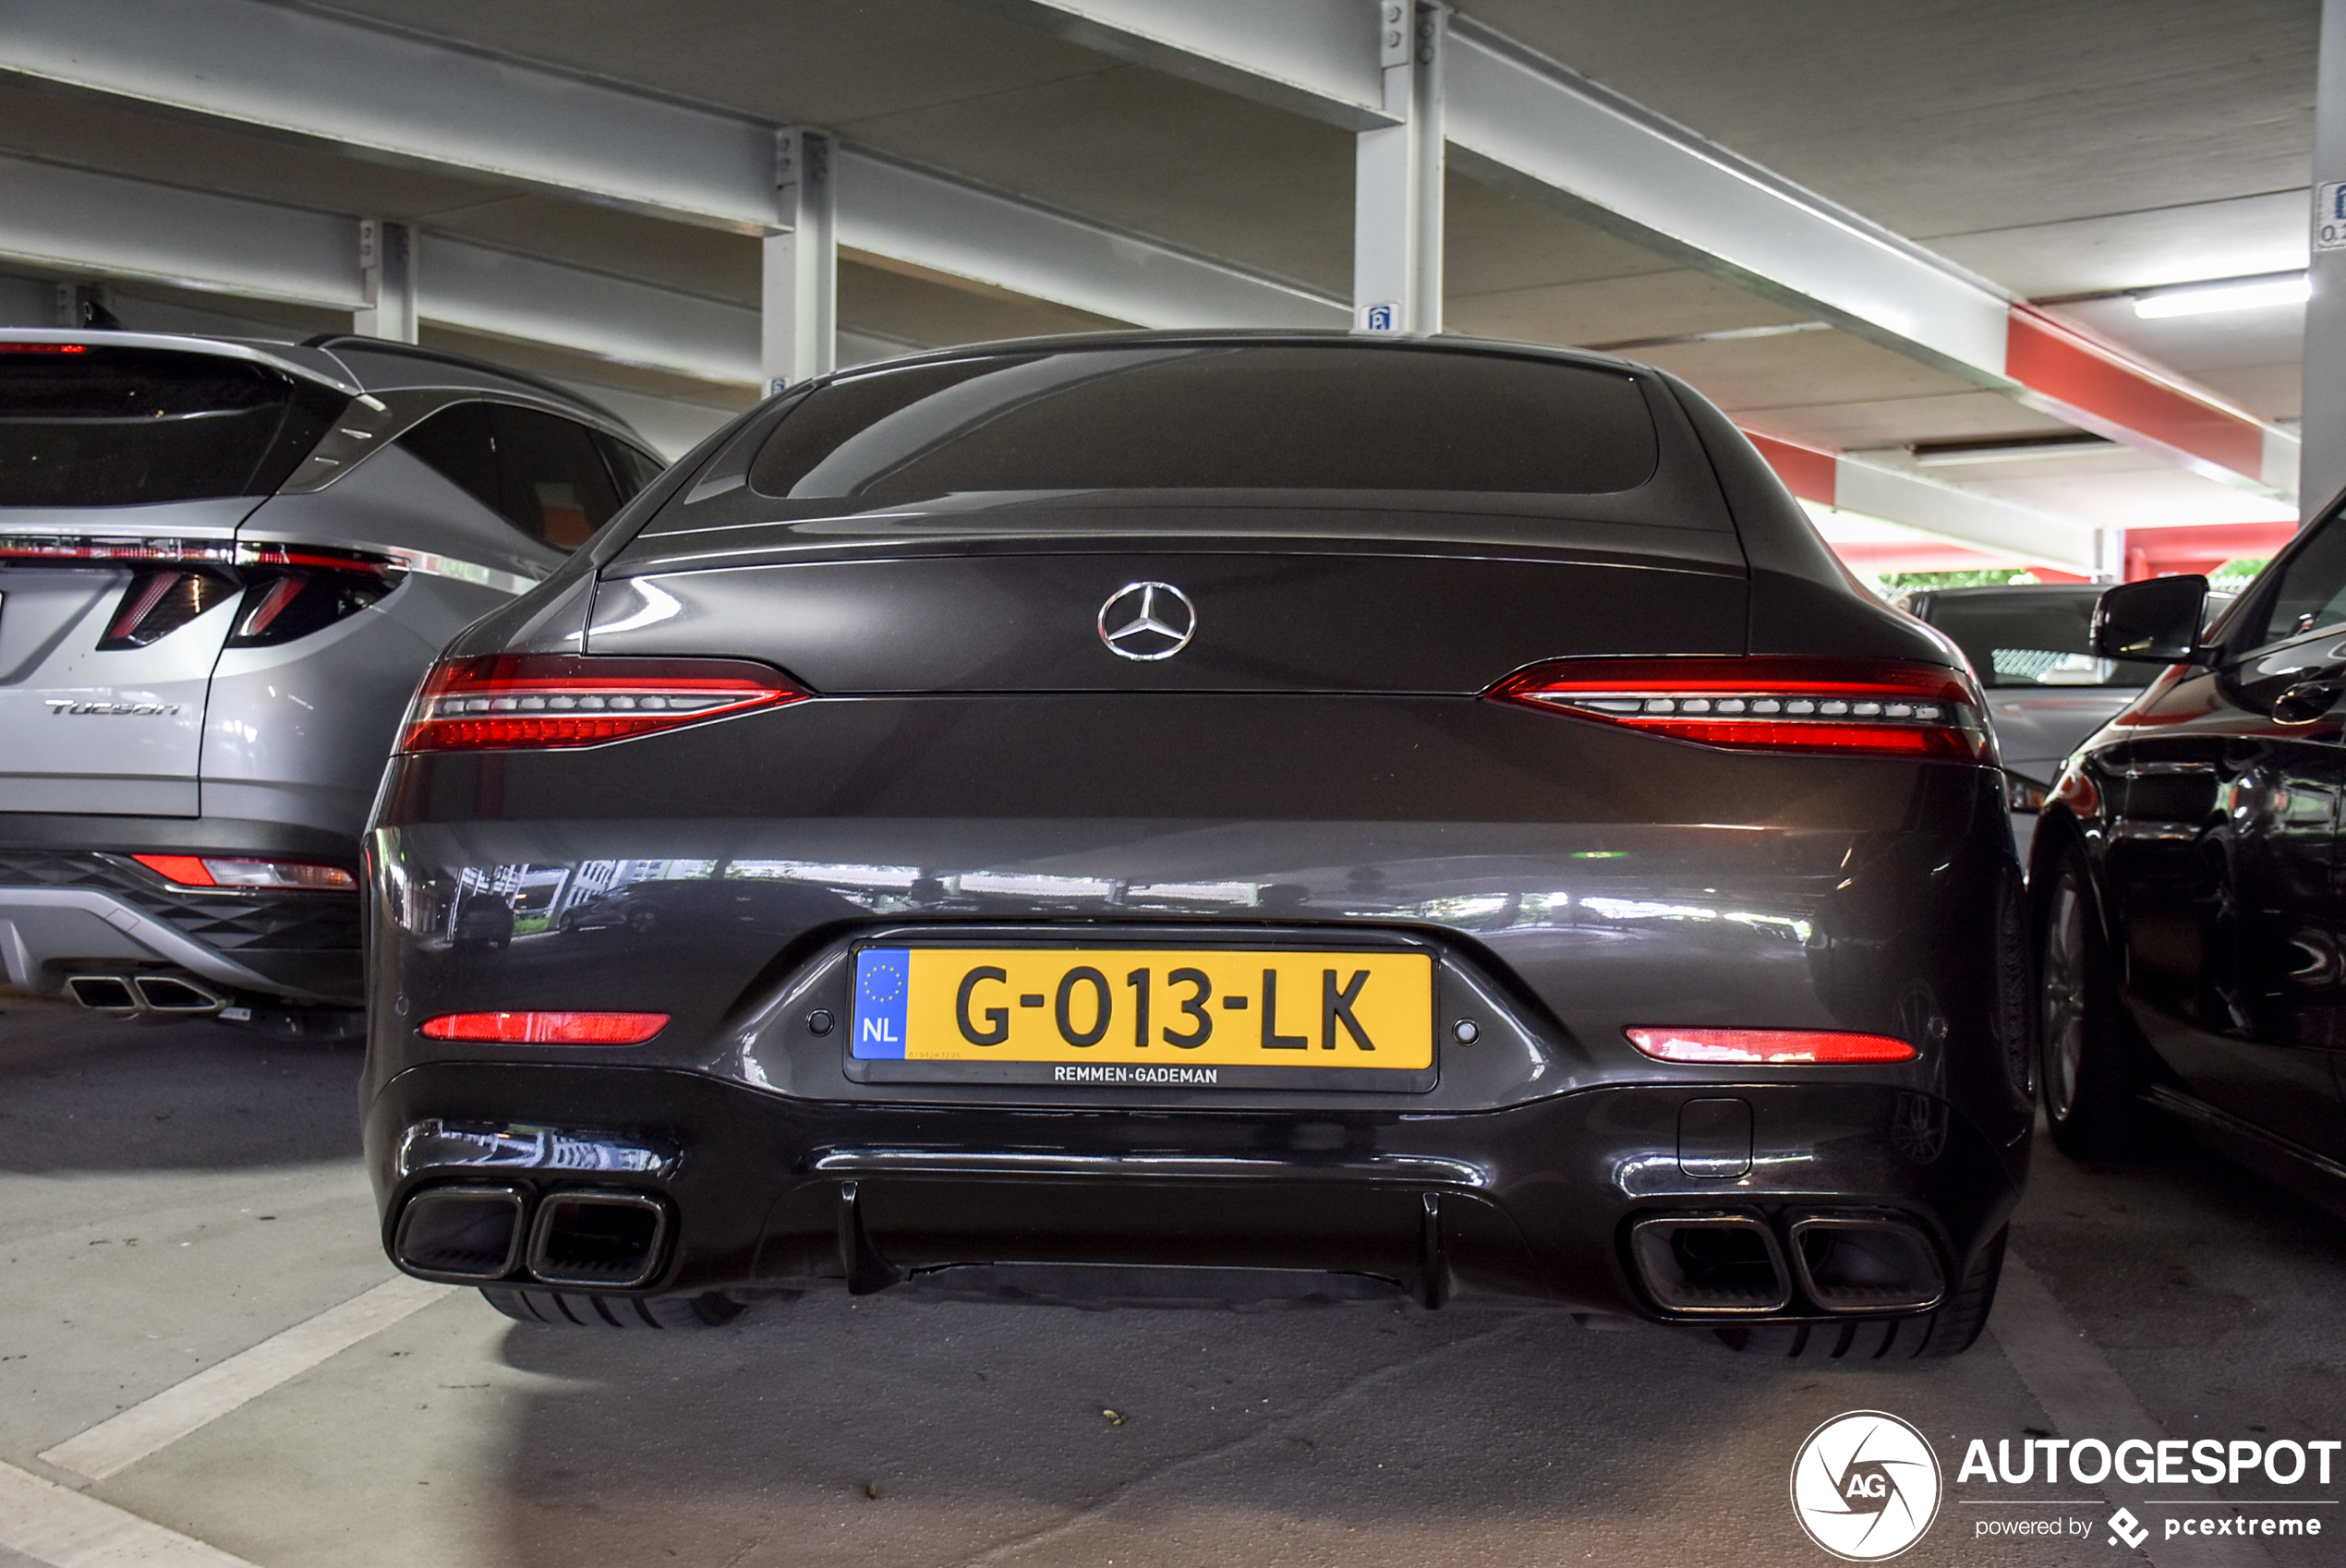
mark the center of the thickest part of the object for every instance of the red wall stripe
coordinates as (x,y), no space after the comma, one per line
(2049,359)
(1807,472)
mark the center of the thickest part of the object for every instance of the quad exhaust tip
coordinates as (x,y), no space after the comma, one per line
(1843,1262)
(587,1238)
(1713,1264)
(601,1240)
(461,1233)
(159,996)
(1859,1262)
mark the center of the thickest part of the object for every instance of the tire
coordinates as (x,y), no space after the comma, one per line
(1949,1331)
(566,1309)
(2089,1084)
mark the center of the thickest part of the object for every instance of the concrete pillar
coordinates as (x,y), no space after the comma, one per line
(2322,468)
(387,264)
(800,304)
(1397,175)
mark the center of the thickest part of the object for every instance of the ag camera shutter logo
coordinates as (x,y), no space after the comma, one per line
(1866,1486)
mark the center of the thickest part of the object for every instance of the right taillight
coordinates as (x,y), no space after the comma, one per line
(526,701)
(1876,707)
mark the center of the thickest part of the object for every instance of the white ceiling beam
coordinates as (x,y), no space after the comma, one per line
(340,83)
(500,294)
(1317,57)
(343,83)
(1516,113)
(949,225)
(75,221)
(1964,516)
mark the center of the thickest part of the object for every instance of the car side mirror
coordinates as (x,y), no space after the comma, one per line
(2158,621)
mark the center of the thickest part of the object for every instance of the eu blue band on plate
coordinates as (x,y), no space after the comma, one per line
(883,980)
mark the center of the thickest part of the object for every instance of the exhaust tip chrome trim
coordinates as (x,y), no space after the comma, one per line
(462,1234)
(176,993)
(1855,1261)
(598,1238)
(1710,1264)
(102,993)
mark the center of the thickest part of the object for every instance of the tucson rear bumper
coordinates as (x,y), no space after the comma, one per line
(662,1181)
(65,912)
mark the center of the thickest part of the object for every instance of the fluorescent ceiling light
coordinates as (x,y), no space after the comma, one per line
(2237,294)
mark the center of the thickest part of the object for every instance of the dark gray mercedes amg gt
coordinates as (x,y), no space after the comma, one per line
(1241,818)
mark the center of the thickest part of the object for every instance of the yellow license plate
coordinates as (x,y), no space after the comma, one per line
(1120,1014)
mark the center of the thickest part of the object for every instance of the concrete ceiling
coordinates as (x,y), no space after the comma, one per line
(2059,147)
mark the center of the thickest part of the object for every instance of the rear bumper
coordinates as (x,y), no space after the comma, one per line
(71,905)
(1526,1205)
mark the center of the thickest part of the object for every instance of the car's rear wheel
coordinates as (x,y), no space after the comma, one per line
(570,1308)
(2089,1084)
(1947,1331)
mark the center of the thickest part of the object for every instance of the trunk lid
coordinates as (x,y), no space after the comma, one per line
(1298,599)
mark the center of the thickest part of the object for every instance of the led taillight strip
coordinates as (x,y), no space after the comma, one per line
(166,551)
(506,701)
(1882,707)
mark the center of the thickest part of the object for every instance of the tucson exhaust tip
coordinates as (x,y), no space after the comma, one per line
(145,996)
(102,993)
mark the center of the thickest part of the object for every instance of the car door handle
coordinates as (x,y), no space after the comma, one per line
(2305,702)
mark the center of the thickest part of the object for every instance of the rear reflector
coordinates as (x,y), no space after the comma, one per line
(1864,706)
(211,871)
(547,1028)
(507,700)
(1768,1047)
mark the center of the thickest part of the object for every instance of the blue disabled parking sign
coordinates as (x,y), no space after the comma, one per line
(882,979)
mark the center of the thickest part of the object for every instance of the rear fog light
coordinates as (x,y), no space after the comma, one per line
(1768,1047)
(547,1028)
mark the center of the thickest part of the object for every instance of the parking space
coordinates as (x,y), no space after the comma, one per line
(171,1198)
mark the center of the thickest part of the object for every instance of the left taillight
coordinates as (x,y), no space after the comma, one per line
(1876,707)
(290,590)
(528,701)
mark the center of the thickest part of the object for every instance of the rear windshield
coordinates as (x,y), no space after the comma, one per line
(1216,417)
(2033,638)
(88,425)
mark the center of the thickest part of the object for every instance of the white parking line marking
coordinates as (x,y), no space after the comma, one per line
(120,1442)
(2085,1397)
(58,1525)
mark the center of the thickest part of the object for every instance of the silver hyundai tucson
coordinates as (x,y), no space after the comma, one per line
(224,565)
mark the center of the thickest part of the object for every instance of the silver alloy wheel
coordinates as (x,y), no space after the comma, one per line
(2064,996)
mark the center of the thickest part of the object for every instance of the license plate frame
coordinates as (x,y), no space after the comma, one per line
(1383,992)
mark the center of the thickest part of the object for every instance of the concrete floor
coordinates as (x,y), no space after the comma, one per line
(172,1196)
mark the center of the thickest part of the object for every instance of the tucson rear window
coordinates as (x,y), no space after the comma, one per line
(93,425)
(1216,417)
(2032,638)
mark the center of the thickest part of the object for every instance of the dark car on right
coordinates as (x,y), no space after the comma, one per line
(2186,876)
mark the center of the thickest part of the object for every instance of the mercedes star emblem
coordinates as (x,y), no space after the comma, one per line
(1147,621)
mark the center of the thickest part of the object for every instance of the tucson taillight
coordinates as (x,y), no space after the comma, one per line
(1879,707)
(216,871)
(508,701)
(290,590)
